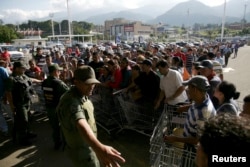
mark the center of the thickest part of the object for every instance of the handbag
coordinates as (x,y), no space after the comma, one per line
(185,74)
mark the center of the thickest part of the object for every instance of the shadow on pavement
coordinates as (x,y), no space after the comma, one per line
(133,146)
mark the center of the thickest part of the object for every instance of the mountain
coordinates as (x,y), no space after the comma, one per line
(198,13)
(234,8)
(167,13)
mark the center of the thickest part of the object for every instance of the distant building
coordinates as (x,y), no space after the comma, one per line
(31,41)
(122,29)
(31,38)
(29,33)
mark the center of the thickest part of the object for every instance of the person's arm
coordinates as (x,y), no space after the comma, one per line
(177,93)
(107,155)
(34,80)
(9,99)
(132,85)
(161,97)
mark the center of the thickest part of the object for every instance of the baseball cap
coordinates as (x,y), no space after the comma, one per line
(54,67)
(80,62)
(147,62)
(198,81)
(206,64)
(19,64)
(85,74)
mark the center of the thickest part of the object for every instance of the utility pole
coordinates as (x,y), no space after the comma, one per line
(60,28)
(223,21)
(51,15)
(69,24)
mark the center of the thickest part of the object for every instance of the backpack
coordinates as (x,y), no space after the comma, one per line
(22,90)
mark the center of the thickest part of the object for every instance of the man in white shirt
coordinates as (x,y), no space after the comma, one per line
(170,85)
(45,67)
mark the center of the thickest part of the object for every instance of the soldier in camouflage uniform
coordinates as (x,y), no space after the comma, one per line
(53,89)
(19,92)
(75,113)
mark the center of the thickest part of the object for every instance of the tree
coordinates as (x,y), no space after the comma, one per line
(210,34)
(7,34)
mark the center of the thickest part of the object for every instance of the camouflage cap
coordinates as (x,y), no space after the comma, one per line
(85,74)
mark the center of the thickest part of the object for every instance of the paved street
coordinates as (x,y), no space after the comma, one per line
(238,71)
(133,146)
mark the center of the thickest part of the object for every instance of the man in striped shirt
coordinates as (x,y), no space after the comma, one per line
(199,111)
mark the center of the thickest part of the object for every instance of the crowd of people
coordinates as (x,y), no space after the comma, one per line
(151,76)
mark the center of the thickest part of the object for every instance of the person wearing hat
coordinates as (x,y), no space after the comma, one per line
(19,92)
(217,66)
(206,69)
(148,82)
(53,88)
(199,111)
(76,117)
(80,63)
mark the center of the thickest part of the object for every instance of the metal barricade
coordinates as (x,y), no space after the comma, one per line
(106,112)
(135,117)
(37,100)
(171,156)
(174,154)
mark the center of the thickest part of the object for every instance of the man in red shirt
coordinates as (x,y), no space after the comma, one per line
(5,56)
(180,54)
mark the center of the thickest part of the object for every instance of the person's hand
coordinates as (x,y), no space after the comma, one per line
(183,108)
(170,138)
(109,157)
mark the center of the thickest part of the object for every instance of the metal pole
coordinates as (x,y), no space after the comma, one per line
(69,25)
(60,28)
(52,24)
(223,21)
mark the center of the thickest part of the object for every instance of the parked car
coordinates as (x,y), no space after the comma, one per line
(14,54)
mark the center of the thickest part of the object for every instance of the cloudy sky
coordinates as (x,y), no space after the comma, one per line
(18,11)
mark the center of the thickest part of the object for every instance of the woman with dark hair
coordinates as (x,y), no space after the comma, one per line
(177,64)
(226,93)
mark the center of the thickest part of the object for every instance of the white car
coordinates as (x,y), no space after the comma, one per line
(14,54)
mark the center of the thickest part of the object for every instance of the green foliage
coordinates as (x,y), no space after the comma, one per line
(7,34)
(59,27)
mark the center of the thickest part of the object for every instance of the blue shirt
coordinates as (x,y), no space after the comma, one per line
(196,116)
(3,76)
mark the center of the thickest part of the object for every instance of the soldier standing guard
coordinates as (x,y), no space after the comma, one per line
(19,91)
(53,89)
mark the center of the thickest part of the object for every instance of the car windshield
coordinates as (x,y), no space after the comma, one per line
(10,48)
